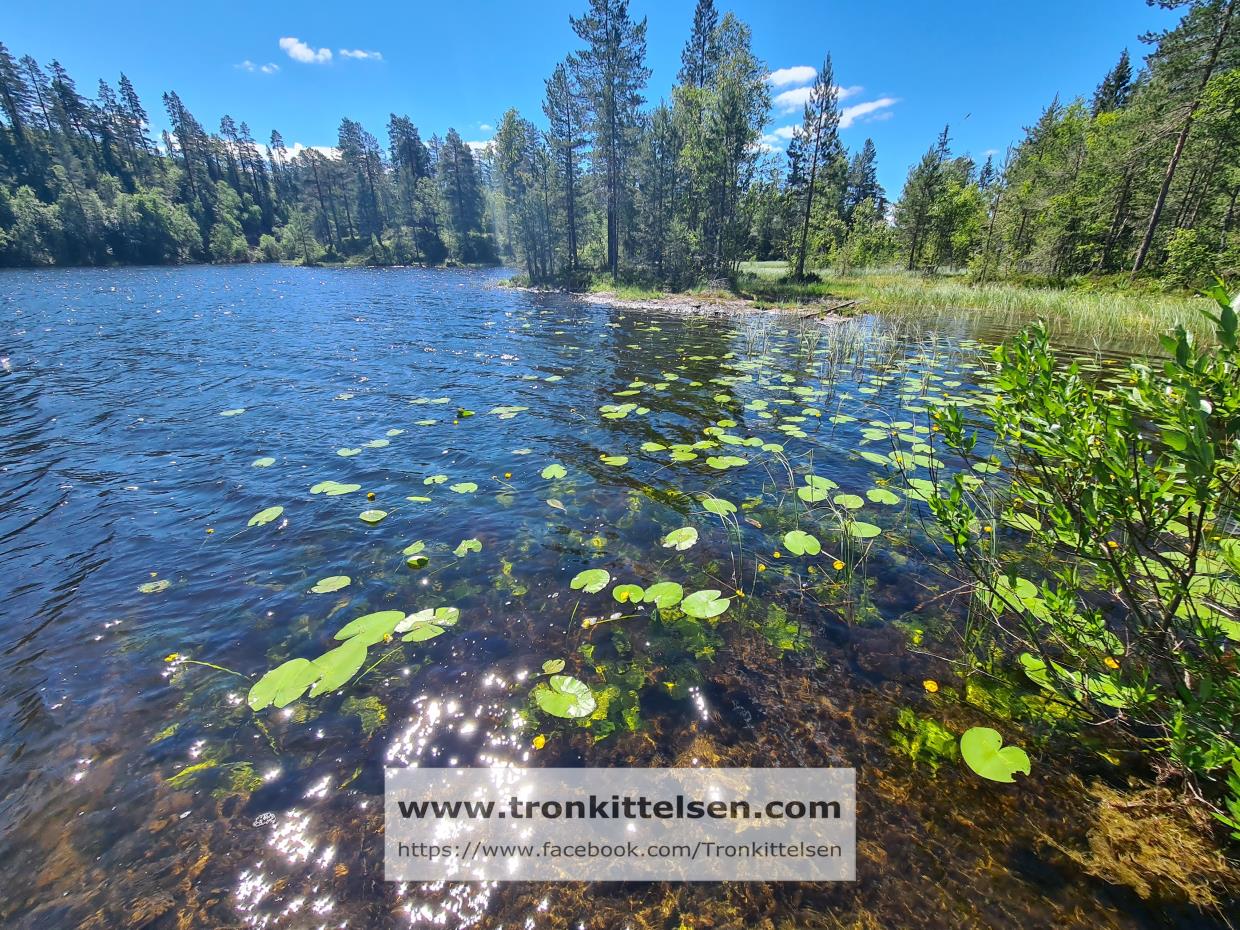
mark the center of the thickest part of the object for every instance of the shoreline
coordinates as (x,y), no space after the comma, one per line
(706,305)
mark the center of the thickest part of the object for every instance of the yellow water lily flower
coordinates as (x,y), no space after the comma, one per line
(838,565)
(172,657)
(1110,662)
(930,685)
(761,567)
(540,741)
(1112,545)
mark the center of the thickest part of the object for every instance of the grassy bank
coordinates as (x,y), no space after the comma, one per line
(1107,315)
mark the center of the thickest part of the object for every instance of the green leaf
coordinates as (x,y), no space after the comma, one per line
(565,696)
(283,684)
(553,666)
(328,585)
(665,594)
(704,604)
(553,471)
(859,529)
(614,460)
(849,501)
(372,628)
(466,546)
(265,462)
(337,666)
(265,516)
(984,752)
(591,581)
(882,496)
(684,538)
(414,548)
(372,516)
(628,593)
(463,487)
(435,479)
(718,506)
(799,542)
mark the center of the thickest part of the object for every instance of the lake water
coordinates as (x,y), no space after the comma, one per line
(149,414)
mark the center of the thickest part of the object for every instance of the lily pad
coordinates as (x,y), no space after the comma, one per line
(553,471)
(591,581)
(799,542)
(628,593)
(565,696)
(665,594)
(283,684)
(235,412)
(464,487)
(553,666)
(704,604)
(154,587)
(435,479)
(265,516)
(333,583)
(614,460)
(372,516)
(371,628)
(465,546)
(882,496)
(849,501)
(348,452)
(336,666)
(265,462)
(983,751)
(719,506)
(859,529)
(684,538)
(334,488)
(724,462)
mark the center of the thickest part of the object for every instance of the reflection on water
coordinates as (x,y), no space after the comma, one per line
(141,792)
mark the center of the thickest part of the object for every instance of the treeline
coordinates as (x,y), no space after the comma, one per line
(1143,177)
(82,183)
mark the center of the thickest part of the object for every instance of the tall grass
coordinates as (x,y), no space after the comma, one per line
(1116,316)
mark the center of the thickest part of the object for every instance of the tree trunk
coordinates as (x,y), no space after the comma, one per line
(1182,140)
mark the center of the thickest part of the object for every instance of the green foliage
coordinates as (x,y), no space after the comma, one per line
(1134,487)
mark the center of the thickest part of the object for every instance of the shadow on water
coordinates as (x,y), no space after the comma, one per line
(141,792)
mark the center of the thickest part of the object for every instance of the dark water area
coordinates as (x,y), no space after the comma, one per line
(140,408)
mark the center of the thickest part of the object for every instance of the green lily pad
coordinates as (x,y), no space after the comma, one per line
(719,506)
(724,462)
(591,581)
(882,496)
(553,471)
(553,666)
(265,462)
(154,587)
(348,452)
(665,594)
(466,546)
(565,696)
(328,585)
(435,479)
(849,501)
(337,666)
(983,751)
(235,412)
(614,460)
(334,488)
(265,516)
(628,593)
(372,516)
(414,548)
(371,628)
(798,542)
(464,487)
(283,684)
(684,538)
(704,604)
(859,529)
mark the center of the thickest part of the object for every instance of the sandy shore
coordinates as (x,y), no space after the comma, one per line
(721,306)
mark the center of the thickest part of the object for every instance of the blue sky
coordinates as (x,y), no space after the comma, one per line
(985,67)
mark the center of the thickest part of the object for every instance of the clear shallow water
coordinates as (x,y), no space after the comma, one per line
(140,792)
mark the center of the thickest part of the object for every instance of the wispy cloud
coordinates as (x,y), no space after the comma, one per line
(361,54)
(270,68)
(789,101)
(790,77)
(306,54)
(850,115)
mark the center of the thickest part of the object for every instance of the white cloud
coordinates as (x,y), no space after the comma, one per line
(850,115)
(797,74)
(307,55)
(247,65)
(784,132)
(297,148)
(486,127)
(361,53)
(791,100)
(479,146)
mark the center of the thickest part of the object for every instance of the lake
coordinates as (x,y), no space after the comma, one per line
(153,421)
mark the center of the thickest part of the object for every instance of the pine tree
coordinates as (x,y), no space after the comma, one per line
(817,144)
(863,182)
(699,60)
(1116,88)
(564,110)
(612,72)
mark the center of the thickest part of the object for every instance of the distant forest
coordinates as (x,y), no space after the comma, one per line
(1139,177)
